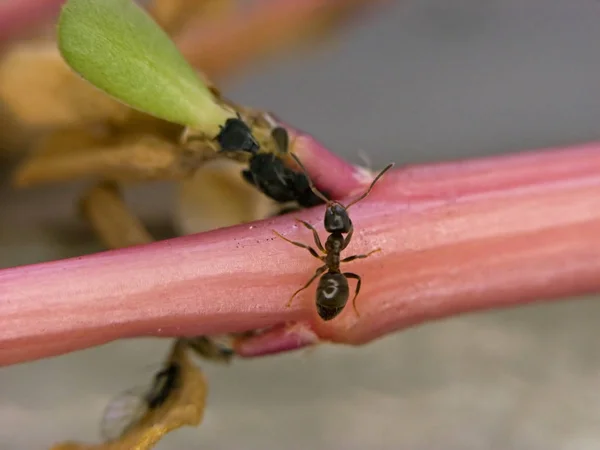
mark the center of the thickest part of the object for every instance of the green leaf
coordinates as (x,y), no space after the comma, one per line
(117,46)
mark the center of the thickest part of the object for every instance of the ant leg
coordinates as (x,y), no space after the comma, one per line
(315,234)
(318,272)
(358,281)
(353,257)
(300,244)
(348,238)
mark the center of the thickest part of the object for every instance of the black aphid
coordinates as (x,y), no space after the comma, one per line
(236,135)
(269,173)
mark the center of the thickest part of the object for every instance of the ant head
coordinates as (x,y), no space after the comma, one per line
(337,219)
(332,295)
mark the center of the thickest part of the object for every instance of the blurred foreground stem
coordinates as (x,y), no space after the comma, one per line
(456,237)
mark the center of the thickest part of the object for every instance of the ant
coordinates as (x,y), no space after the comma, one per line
(332,291)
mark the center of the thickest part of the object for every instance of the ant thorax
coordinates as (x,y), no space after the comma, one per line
(337,219)
(334,243)
(333,247)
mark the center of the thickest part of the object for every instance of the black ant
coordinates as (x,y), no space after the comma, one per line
(269,173)
(333,290)
(236,135)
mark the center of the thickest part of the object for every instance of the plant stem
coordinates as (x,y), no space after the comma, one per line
(456,237)
(19,16)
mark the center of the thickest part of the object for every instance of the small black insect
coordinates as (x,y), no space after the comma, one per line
(268,172)
(333,290)
(128,408)
(165,382)
(236,135)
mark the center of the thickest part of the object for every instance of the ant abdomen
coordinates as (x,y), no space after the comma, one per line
(332,295)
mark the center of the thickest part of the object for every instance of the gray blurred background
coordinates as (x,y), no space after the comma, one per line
(417,81)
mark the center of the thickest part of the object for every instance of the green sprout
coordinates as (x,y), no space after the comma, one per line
(116,46)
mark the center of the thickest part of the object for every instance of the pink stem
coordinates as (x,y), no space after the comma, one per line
(19,16)
(456,237)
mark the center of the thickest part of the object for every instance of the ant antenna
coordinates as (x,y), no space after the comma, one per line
(389,166)
(310,183)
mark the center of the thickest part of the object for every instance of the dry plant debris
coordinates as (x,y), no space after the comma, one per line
(184,407)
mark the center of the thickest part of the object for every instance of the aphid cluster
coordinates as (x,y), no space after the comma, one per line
(267,170)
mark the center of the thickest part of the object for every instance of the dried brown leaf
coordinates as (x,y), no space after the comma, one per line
(121,158)
(141,123)
(14,137)
(185,407)
(106,211)
(71,140)
(41,90)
